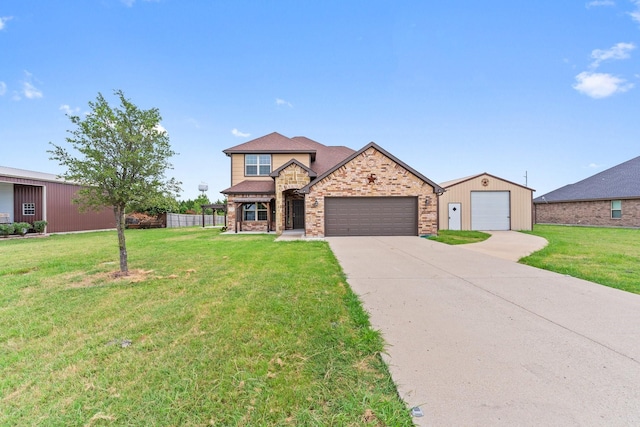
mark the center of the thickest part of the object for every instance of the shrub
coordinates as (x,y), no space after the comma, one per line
(39,226)
(6,229)
(21,228)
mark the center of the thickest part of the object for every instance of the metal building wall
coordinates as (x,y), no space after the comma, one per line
(521,200)
(27,194)
(61,214)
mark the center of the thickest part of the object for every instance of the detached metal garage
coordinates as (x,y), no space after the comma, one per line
(485,202)
(371,216)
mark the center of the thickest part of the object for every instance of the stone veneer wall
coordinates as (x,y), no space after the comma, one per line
(292,177)
(351,181)
(597,213)
(246,225)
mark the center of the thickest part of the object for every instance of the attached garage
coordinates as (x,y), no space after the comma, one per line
(490,210)
(371,193)
(371,216)
(485,202)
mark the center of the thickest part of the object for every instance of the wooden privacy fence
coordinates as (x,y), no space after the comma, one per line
(185,220)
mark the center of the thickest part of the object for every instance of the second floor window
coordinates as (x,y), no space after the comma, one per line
(257,164)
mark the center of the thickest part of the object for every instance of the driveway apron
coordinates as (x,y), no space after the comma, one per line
(474,339)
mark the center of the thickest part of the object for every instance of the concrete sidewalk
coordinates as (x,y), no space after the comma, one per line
(478,340)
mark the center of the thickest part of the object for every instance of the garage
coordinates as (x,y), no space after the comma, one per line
(371,216)
(485,202)
(490,210)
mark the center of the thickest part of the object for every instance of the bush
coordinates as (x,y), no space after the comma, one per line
(39,226)
(6,229)
(21,228)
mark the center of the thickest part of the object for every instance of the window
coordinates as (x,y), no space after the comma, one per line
(257,164)
(616,209)
(28,209)
(252,211)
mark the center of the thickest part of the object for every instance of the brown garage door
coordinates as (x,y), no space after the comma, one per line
(371,216)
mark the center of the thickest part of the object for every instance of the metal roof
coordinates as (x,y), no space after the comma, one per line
(22,173)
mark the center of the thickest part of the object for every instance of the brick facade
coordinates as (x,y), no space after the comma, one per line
(594,213)
(352,180)
(293,177)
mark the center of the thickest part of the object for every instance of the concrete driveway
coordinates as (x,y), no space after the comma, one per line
(474,339)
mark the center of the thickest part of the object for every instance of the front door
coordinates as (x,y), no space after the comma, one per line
(298,214)
(454,216)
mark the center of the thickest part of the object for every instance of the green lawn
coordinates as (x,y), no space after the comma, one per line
(609,256)
(460,237)
(211,330)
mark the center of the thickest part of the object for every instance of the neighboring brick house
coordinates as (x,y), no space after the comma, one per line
(280,183)
(609,199)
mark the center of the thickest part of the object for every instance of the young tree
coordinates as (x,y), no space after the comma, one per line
(122,155)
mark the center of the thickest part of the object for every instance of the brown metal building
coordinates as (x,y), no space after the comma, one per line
(29,196)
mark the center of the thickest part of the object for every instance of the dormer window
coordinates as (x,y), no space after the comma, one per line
(257,164)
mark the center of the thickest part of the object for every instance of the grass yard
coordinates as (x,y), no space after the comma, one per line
(459,237)
(210,330)
(609,256)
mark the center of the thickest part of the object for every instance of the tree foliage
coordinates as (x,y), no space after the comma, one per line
(120,158)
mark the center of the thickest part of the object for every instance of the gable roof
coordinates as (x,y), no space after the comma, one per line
(323,157)
(271,143)
(326,156)
(619,182)
(435,186)
(276,172)
(448,184)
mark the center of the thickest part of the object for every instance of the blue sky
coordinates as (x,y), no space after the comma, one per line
(546,88)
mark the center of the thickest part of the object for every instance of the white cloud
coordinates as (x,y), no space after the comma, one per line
(3,88)
(635,15)
(158,127)
(30,91)
(4,20)
(594,166)
(28,88)
(283,102)
(597,3)
(618,51)
(239,134)
(68,110)
(600,85)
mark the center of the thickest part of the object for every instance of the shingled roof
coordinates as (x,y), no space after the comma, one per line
(619,182)
(323,157)
(252,187)
(272,143)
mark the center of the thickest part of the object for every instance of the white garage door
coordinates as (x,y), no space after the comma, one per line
(490,210)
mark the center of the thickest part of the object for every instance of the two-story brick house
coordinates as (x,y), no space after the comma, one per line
(280,183)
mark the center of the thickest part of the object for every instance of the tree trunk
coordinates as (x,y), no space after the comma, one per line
(118,211)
